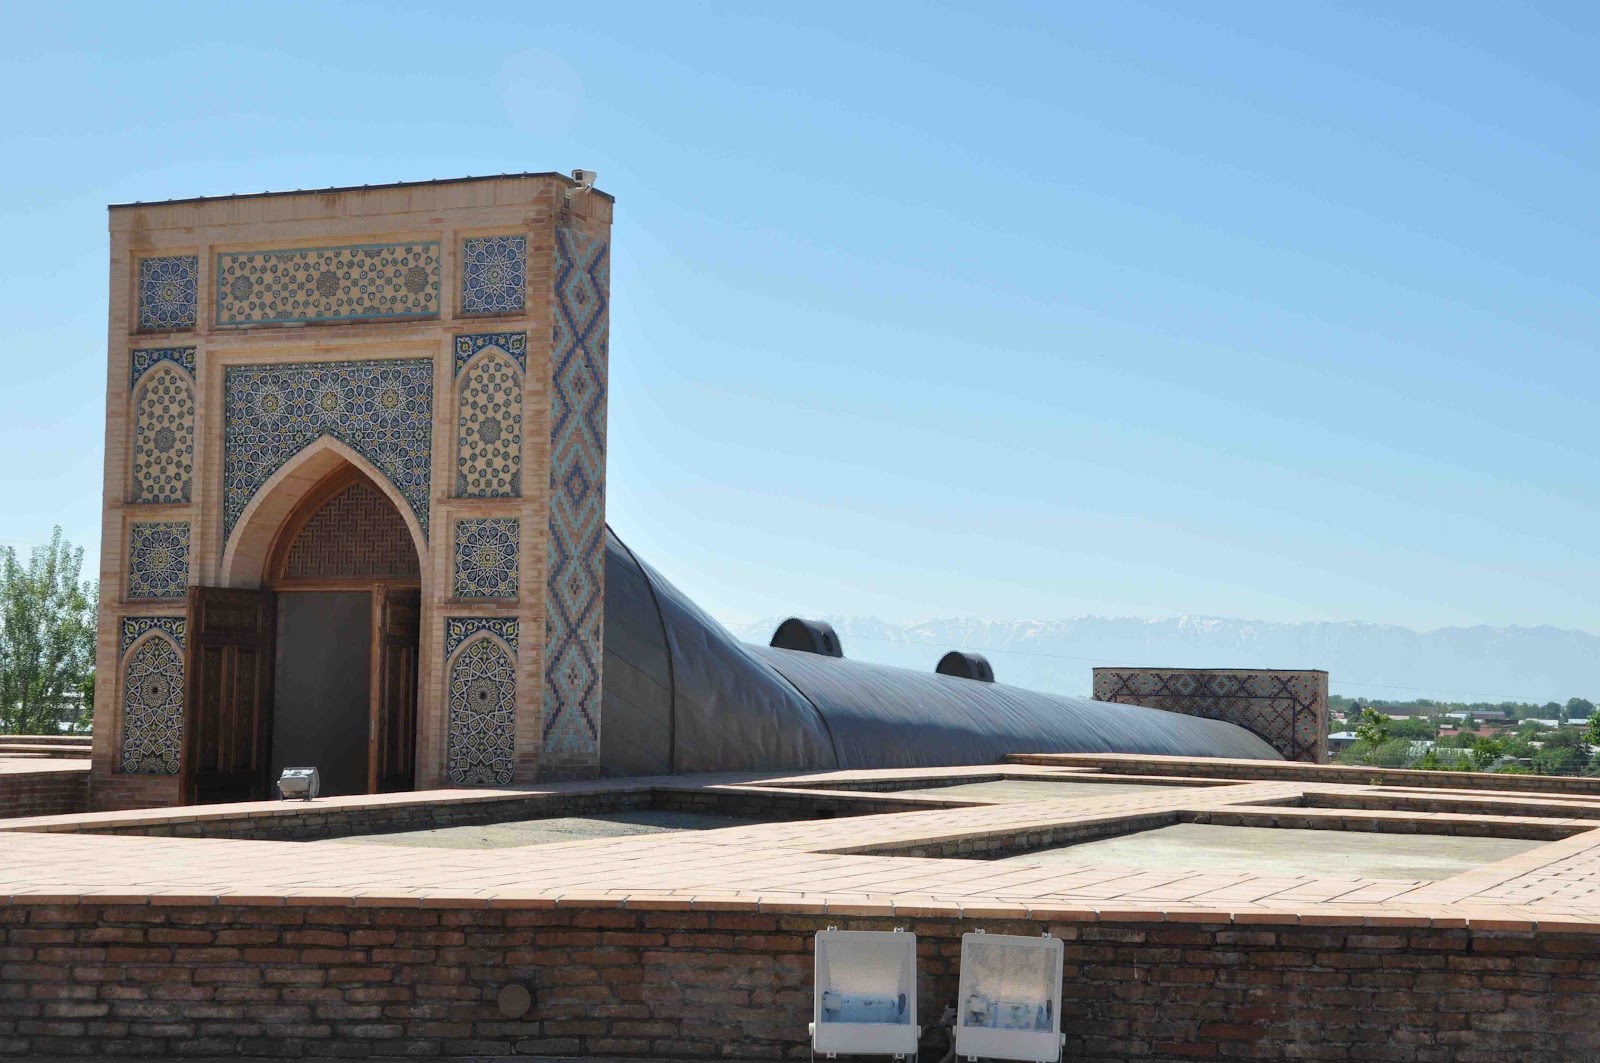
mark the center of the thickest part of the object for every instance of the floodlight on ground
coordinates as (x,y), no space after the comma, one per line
(1009,1005)
(303,783)
(866,993)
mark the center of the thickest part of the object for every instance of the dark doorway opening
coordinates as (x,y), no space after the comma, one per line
(325,673)
(322,699)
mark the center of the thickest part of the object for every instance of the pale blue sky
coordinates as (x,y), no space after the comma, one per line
(1282,311)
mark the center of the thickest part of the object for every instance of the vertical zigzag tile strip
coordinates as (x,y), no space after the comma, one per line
(575,598)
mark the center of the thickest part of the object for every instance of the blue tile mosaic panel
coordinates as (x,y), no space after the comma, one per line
(513,343)
(574,605)
(328,283)
(142,360)
(458,629)
(383,410)
(163,436)
(158,559)
(482,726)
(486,558)
(169,292)
(489,418)
(494,274)
(152,708)
(136,627)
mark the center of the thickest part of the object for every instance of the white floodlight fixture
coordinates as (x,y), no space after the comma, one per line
(866,993)
(303,783)
(1009,1005)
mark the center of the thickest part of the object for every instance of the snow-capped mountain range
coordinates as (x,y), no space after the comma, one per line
(1377,661)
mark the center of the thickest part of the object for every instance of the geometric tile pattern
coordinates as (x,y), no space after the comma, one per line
(142,360)
(328,283)
(513,343)
(169,290)
(574,605)
(482,723)
(1287,709)
(134,627)
(458,629)
(489,427)
(152,708)
(163,436)
(358,534)
(158,559)
(494,274)
(383,410)
(486,558)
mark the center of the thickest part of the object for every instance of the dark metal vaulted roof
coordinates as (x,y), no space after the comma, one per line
(683,695)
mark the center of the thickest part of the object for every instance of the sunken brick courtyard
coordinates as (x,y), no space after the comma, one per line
(280,929)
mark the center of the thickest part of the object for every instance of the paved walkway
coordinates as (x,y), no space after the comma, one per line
(825,865)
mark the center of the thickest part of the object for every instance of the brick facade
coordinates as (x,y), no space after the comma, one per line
(42,789)
(1289,709)
(657,979)
(317,331)
(356,534)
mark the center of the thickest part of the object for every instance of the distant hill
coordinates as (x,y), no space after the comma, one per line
(1394,663)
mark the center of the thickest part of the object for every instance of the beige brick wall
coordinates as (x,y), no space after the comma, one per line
(446,212)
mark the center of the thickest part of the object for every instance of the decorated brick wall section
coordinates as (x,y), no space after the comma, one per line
(304,980)
(575,568)
(256,342)
(383,410)
(1289,709)
(48,790)
(328,284)
(357,534)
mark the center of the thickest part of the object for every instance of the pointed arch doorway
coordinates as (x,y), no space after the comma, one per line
(330,679)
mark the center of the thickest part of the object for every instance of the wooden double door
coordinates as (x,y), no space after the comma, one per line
(314,678)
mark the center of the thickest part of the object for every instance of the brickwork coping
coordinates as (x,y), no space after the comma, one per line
(669,980)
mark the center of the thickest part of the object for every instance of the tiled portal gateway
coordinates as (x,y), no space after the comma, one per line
(355,454)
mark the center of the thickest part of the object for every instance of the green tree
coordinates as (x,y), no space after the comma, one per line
(1578,708)
(1592,733)
(47,627)
(1373,727)
(1517,746)
(1485,751)
(1414,728)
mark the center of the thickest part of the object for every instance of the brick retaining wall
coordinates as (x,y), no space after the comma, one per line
(1288,771)
(119,980)
(347,817)
(51,789)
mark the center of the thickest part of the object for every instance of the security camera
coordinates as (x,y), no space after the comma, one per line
(585,182)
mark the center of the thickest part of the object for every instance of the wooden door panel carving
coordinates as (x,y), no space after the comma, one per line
(395,737)
(228,706)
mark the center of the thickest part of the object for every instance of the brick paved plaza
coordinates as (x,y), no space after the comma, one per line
(214,930)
